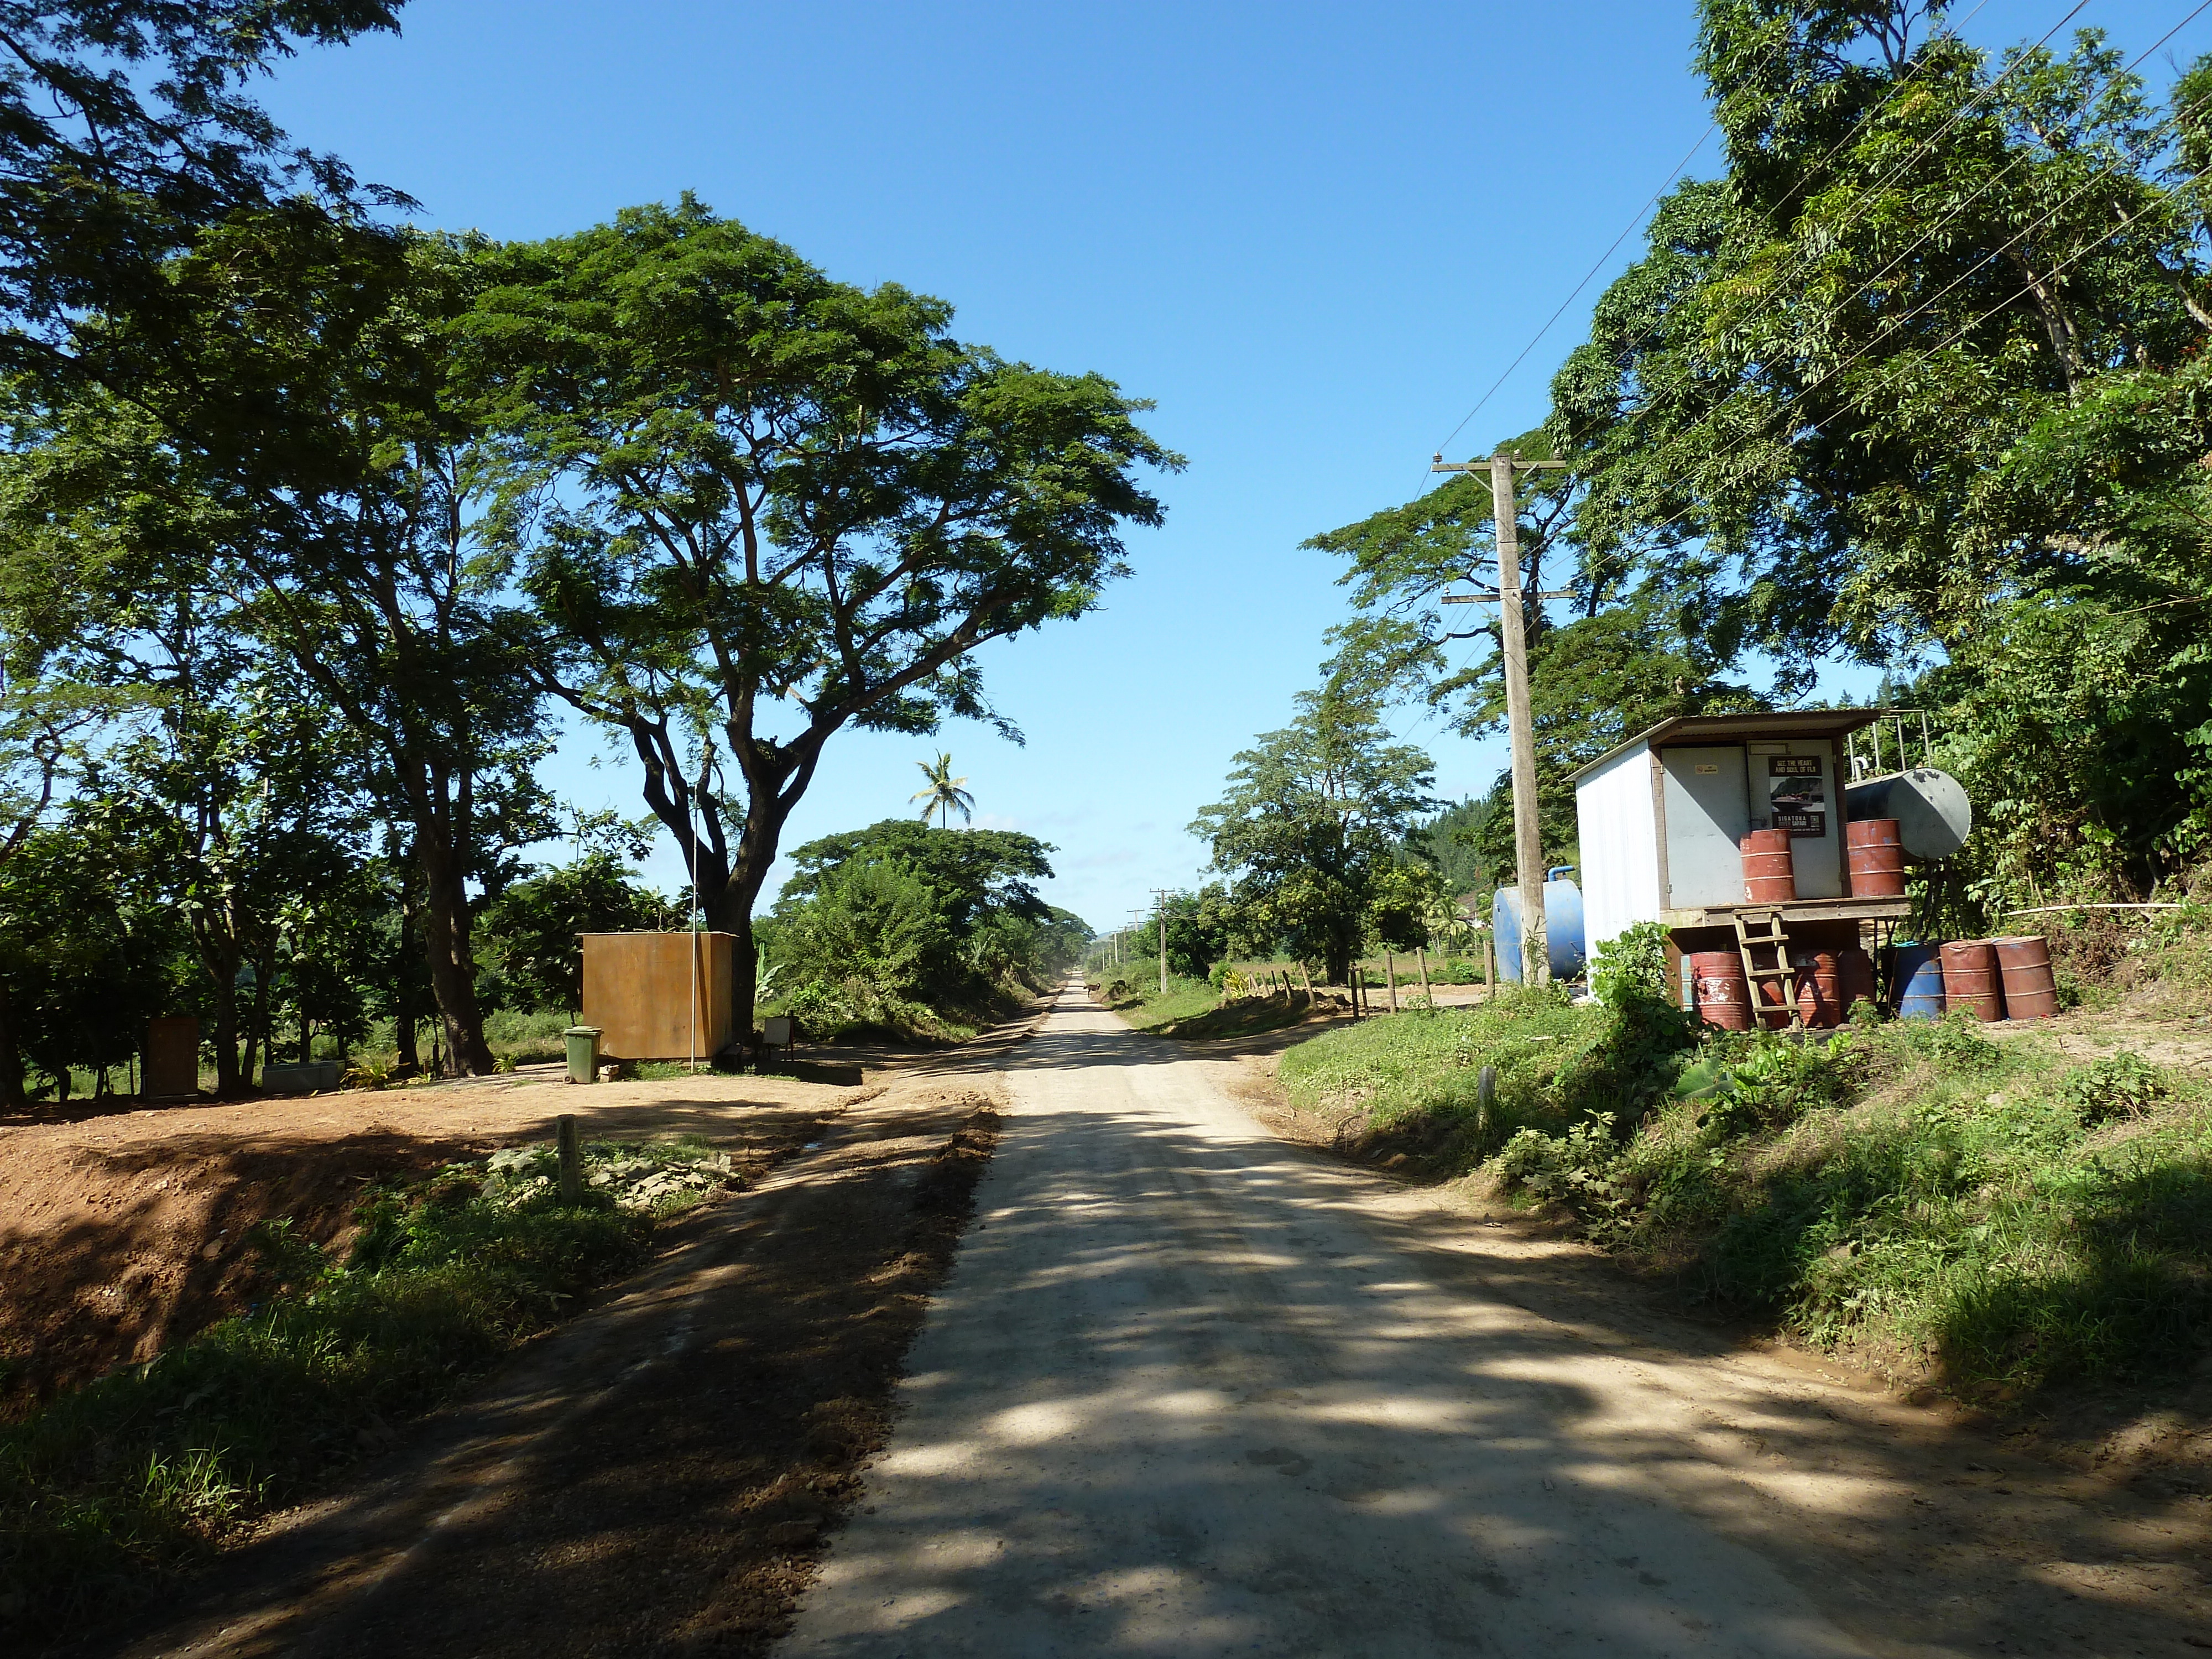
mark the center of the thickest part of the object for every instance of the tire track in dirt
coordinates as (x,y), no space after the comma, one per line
(659,1475)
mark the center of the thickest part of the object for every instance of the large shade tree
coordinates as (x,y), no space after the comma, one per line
(1313,819)
(299,448)
(760,507)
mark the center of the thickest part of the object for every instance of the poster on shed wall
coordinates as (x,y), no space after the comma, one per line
(1796,800)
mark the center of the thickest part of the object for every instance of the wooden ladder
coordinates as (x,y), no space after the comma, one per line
(1762,930)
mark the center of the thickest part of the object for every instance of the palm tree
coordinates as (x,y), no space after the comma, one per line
(944,793)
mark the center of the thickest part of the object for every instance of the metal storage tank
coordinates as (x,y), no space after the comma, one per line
(660,996)
(1563,927)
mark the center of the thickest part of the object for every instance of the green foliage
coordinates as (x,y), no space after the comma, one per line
(1310,826)
(529,932)
(1204,929)
(2120,1086)
(904,928)
(1630,966)
(106,1492)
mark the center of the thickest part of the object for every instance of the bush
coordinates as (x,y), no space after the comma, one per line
(2120,1086)
(1919,1188)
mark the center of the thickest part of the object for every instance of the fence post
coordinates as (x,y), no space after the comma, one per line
(571,1161)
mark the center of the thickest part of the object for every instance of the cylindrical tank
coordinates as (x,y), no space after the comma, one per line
(2030,990)
(1877,859)
(1969,978)
(1819,987)
(1769,877)
(1934,816)
(1563,927)
(1857,970)
(1724,998)
(1920,981)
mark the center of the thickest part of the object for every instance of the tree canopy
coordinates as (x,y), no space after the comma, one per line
(756,506)
(1310,827)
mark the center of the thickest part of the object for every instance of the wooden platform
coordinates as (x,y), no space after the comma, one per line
(1800,910)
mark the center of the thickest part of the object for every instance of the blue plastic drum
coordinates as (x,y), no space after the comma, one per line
(1920,981)
(1563,927)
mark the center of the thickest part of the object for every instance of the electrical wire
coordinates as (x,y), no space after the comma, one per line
(1774,49)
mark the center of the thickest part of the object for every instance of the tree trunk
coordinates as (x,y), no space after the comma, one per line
(453,962)
(263,972)
(11,1060)
(405,1008)
(228,1083)
(1336,964)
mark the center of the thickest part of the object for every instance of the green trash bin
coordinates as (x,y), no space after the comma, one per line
(583,1052)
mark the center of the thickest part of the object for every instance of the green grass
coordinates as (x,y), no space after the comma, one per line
(108,1492)
(1410,1080)
(1993,1213)
(1238,1017)
(1133,991)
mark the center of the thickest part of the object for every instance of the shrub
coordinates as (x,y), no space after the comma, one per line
(2120,1086)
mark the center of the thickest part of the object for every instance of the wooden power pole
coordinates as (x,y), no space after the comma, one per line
(1513,640)
(1160,894)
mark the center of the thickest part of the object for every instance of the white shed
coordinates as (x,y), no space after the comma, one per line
(1660,817)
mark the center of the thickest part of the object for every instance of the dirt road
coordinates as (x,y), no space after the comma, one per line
(1190,1389)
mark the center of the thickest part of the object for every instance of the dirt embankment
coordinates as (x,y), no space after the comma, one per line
(660,1473)
(121,1233)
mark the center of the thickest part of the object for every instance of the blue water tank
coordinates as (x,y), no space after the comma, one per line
(1563,927)
(1920,981)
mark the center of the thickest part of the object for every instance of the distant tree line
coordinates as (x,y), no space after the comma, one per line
(314,522)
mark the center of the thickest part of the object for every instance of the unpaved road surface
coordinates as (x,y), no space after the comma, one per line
(1191,1391)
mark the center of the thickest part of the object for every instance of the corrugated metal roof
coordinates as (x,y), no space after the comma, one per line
(1734,728)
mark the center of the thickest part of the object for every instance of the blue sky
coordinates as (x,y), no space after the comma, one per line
(1313,234)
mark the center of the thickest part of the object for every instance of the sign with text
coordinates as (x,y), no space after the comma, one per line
(1796,797)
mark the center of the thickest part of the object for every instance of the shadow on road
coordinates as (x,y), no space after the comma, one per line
(1194,1390)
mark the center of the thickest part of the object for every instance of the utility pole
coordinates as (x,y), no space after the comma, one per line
(1160,894)
(1513,640)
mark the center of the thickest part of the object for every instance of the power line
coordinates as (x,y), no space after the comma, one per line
(1773,50)
(1799,261)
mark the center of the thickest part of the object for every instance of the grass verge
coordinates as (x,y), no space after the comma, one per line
(1133,991)
(1993,1214)
(107,1492)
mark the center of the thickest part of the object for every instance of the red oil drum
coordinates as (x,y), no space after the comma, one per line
(1775,1005)
(1877,858)
(1857,967)
(1723,997)
(1765,841)
(1819,988)
(1769,877)
(1971,979)
(2031,991)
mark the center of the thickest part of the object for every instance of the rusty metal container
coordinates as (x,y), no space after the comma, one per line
(2030,990)
(659,996)
(172,1068)
(1723,996)
(1877,858)
(1971,978)
(1819,988)
(1858,984)
(1769,877)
